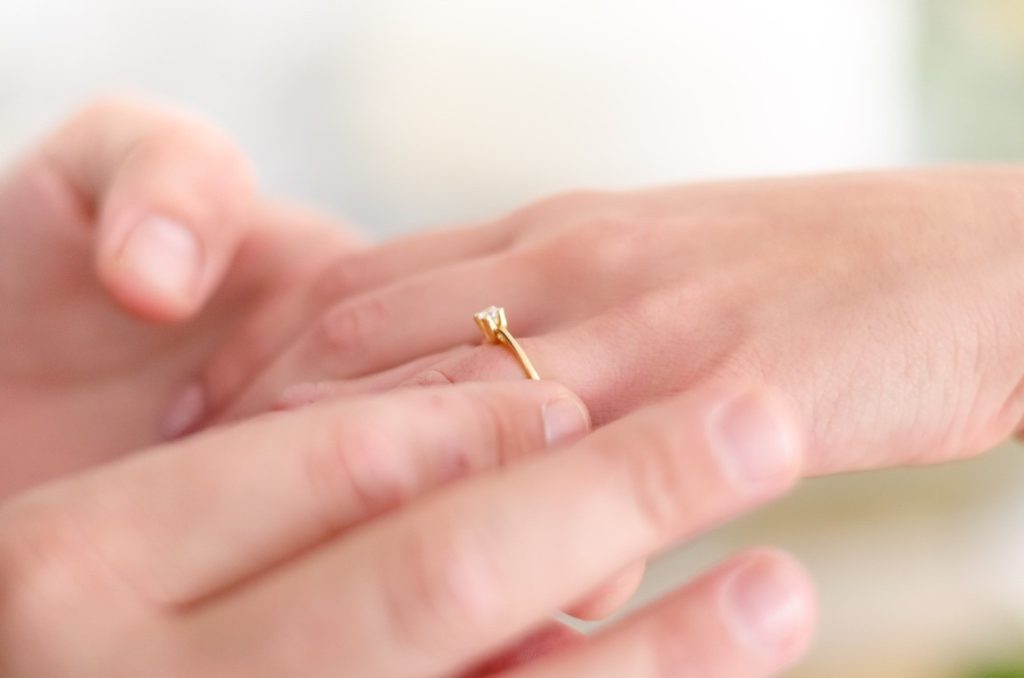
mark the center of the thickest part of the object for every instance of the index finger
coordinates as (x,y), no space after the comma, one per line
(439,586)
(184,521)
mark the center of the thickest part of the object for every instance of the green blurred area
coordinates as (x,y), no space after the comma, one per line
(971,108)
(971,80)
(1016,671)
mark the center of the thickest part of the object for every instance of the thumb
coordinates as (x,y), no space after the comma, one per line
(169,198)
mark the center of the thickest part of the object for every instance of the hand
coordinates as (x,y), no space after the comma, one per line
(326,540)
(131,244)
(886,306)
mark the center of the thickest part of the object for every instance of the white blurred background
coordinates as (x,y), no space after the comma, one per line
(401,114)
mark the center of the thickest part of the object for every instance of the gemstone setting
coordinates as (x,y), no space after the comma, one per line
(491,320)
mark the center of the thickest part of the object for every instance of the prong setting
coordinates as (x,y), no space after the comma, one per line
(491,321)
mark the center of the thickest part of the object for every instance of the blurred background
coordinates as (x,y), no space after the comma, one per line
(401,115)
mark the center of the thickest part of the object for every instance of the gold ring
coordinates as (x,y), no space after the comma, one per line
(494,325)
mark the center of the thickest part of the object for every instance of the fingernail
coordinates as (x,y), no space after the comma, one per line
(755,440)
(183,413)
(766,605)
(564,420)
(166,256)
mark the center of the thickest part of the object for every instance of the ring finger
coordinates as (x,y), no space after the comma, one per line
(388,327)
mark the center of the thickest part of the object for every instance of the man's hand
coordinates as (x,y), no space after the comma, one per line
(326,542)
(131,246)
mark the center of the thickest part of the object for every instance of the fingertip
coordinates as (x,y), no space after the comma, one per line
(564,415)
(768,602)
(183,412)
(610,598)
(154,267)
(757,438)
(172,197)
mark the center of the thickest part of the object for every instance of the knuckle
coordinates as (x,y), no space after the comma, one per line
(439,589)
(471,364)
(435,376)
(476,430)
(536,260)
(341,278)
(616,242)
(570,208)
(570,203)
(344,471)
(349,328)
(500,438)
(657,483)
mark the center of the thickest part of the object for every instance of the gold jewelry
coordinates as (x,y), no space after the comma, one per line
(494,325)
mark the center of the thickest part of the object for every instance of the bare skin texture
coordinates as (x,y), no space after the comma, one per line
(887,307)
(135,248)
(331,541)
(148,289)
(102,321)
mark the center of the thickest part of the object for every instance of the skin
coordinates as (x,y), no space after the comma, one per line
(360,555)
(96,341)
(104,573)
(884,306)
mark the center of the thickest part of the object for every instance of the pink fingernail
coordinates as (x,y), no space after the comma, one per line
(766,603)
(755,440)
(565,419)
(165,256)
(183,413)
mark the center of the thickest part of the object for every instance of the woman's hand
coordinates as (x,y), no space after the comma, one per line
(888,307)
(127,217)
(325,542)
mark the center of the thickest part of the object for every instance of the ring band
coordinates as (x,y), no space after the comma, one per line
(494,325)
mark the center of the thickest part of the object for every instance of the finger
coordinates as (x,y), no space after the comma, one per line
(749,618)
(303,241)
(309,393)
(389,327)
(613,361)
(569,350)
(549,639)
(408,257)
(169,196)
(610,596)
(598,604)
(253,348)
(185,521)
(602,359)
(437,587)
